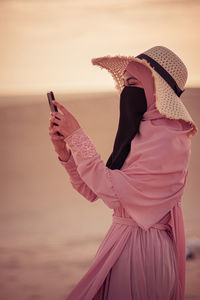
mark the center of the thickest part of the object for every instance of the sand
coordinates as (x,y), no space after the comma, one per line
(49,233)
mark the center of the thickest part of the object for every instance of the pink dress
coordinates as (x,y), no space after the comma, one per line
(143,253)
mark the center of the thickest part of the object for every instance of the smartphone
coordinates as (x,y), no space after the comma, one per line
(50,96)
(53,108)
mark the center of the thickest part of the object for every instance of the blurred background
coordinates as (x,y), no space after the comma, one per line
(49,233)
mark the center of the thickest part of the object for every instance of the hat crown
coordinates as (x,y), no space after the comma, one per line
(171,63)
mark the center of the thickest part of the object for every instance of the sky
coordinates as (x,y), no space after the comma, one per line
(49,44)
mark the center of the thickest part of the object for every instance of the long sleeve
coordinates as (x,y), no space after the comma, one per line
(76,181)
(91,168)
(145,187)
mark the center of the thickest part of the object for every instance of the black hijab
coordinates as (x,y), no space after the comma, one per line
(133,105)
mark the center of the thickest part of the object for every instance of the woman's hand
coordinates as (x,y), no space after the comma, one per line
(66,122)
(59,143)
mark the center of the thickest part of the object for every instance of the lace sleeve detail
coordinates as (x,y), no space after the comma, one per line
(81,144)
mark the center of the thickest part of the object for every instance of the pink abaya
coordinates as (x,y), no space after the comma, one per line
(143,253)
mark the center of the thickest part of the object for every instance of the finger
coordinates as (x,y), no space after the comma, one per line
(57,138)
(54,121)
(51,133)
(58,115)
(61,107)
(51,124)
(54,130)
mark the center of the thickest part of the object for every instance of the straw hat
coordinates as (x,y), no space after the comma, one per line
(169,73)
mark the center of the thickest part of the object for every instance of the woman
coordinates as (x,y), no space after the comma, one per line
(143,253)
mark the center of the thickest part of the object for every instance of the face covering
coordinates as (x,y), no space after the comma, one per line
(133,105)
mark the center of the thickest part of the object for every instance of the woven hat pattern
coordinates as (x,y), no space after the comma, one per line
(167,102)
(171,63)
(169,105)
